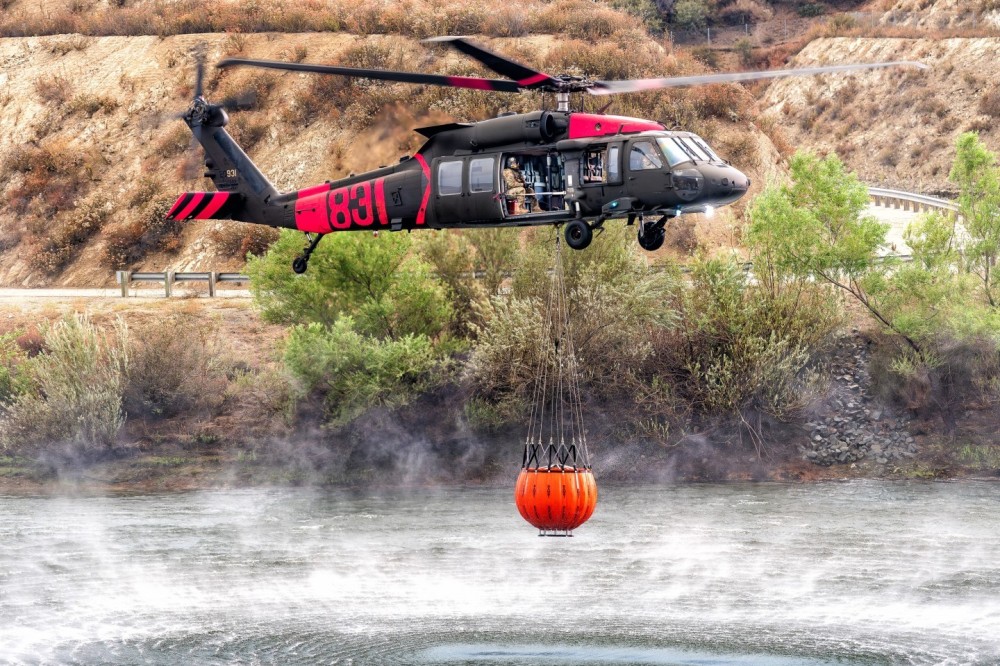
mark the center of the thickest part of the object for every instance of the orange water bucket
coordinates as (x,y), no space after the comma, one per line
(556,499)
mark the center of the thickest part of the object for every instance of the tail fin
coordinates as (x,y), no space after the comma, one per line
(245,193)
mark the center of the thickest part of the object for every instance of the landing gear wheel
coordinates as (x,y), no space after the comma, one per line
(301,262)
(578,234)
(652,240)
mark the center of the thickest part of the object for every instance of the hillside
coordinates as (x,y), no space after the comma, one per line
(896,127)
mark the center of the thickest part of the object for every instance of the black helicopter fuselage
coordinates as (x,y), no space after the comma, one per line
(573,165)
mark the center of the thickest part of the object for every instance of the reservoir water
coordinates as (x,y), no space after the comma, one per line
(834,573)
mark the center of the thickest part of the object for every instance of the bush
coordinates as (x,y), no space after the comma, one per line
(260,403)
(352,372)
(235,239)
(740,351)
(811,9)
(54,175)
(73,408)
(90,104)
(12,378)
(451,257)
(174,367)
(989,103)
(130,242)
(744,49)
(376,280)
(691,14)
(962,375)
(73,230)
(55,89)
(745,11)
(612,297)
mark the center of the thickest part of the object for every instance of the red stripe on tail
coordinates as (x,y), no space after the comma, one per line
(198,196)
(177,204)
(219,199)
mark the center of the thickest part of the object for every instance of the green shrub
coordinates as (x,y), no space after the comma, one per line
(740,350)
(811,9)
(352,372)
(73,408)
(612,297)
(744,49)
(389,292)
(691,14)
(12,377)
(451,256)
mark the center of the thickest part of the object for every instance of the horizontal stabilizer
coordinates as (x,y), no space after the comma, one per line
(206,206)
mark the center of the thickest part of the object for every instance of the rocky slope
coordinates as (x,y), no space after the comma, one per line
(896,127)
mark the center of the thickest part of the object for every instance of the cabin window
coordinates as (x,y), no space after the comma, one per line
(450,178)
(481,174)
(614,172)
(593,167)
(643,156)
(675,154)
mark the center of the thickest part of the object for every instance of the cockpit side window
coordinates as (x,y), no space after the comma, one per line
(644,156)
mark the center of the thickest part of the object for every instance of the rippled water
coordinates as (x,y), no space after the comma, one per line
(852,573)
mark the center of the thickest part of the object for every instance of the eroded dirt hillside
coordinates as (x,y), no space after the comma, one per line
(897,126)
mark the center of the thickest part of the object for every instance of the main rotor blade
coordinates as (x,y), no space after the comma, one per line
(524,75)
(474,83)
(638,85)
(199,72)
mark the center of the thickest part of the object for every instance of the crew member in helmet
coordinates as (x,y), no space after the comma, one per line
(516,187)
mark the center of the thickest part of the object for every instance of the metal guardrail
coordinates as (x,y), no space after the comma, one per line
(910,201)
(169,278)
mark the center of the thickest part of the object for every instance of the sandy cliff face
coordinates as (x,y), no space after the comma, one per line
(895,126)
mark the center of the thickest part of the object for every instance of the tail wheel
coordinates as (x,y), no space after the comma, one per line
(652,240)
(299,265)
(578,234)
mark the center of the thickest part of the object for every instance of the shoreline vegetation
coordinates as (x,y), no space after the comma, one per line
(390,364)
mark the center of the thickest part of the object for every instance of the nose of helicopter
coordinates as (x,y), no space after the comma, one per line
(724,184)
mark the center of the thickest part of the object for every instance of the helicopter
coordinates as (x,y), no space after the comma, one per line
(546,167)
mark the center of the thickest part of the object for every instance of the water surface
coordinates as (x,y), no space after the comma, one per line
(838,573)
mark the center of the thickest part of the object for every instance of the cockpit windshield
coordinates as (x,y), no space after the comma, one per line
(698,141)
(686,148)
(675,154)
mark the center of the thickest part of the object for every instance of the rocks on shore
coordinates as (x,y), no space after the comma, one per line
(852,425)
